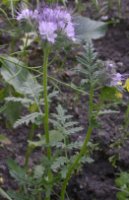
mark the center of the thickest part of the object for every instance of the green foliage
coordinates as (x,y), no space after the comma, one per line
(123,183)
(12,111)
(107,5)
(109,94)
(60,149)
(63,122)
(16,74)
(87,29)
(63,128)
(17,172)
(24,101)
(29,183)
(4,139)
(90,67)
(58,163)
(27,90)
(34,117)
(4,194)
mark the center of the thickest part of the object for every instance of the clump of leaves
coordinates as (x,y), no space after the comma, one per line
(123,183)
(91,68)
(63,128)
(36,181)
(26,92)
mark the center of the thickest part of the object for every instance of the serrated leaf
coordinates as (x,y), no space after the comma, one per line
(59,162)
(38,171)
(27,119)
(68,124)
(74,130)
(105,112)
(87,159)
(74,145)
(16,171)
(87,29)
(55,137)
(20,100)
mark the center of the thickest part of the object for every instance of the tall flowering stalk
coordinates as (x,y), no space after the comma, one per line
(50,21)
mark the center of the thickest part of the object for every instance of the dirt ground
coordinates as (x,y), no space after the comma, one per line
(95,181)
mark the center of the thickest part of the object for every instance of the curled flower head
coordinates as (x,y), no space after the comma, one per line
(51,21)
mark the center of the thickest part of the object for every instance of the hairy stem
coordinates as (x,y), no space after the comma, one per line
(83,148)
(46,105)
(29,148)
(46,50)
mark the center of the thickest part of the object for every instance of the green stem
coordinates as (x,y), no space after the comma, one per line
(83,149)
(91,95)
(46,105)
(29,148)
(46,112)
(74,165)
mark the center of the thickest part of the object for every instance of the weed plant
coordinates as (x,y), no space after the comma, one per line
(30,87)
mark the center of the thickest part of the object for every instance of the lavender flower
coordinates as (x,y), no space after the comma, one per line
(48,31)
(116,79)
(51,21)
(25,14)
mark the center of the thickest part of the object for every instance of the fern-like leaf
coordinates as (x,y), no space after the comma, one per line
(90,67)
(27,119)
(24,101)
(64,126)
(59,162)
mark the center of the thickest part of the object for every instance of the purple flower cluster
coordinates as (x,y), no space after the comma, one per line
(116,79)
(51,21)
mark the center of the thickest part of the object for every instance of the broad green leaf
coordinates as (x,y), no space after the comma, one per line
(12,111)
(87,29)
(16,74)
